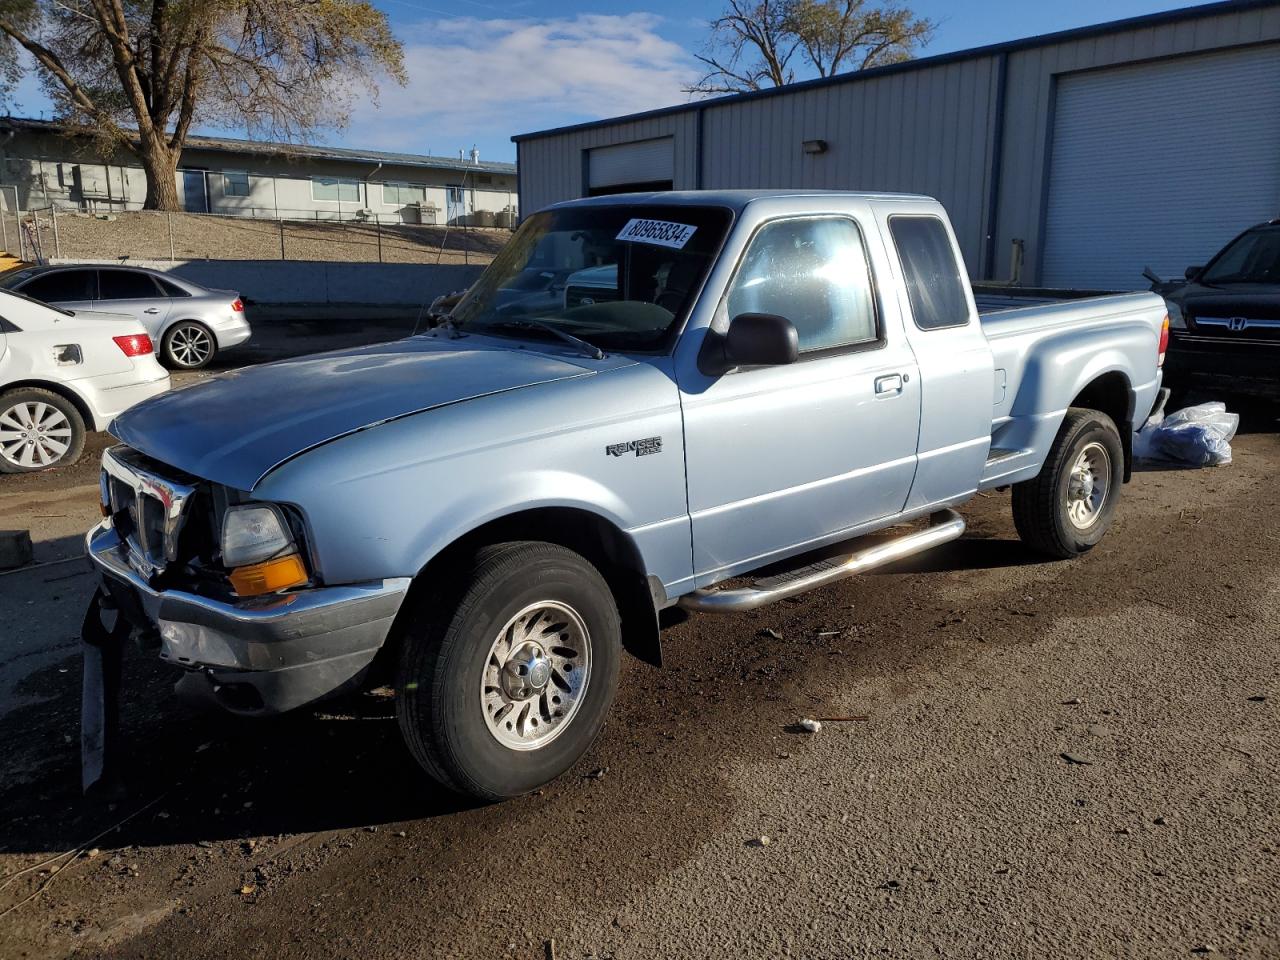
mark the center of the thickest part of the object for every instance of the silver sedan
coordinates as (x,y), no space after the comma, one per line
(188,323)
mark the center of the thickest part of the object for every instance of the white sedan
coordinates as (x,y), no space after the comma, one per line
(62,373)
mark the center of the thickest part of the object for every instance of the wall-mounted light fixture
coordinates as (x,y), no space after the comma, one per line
(815,146)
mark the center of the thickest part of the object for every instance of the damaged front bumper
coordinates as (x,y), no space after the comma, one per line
(256,656)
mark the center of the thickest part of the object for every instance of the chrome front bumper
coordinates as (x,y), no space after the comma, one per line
(260,655)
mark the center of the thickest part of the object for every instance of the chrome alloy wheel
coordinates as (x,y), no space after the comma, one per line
(34,434)
(535,675)
(1088,485)
(190,345)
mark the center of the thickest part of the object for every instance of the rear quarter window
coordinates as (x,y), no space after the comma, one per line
(935,285)
(169,288)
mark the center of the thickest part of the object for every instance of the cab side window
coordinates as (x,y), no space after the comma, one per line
(935,285)
(814,272)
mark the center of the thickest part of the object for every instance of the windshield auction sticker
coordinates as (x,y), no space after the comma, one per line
(660,232)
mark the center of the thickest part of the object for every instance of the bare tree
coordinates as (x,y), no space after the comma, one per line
(754,45)
(138,74)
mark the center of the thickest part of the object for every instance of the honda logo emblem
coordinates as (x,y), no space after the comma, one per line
(1236,324)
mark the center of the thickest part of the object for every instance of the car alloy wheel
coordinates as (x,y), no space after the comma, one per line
(190,345)
(34,434)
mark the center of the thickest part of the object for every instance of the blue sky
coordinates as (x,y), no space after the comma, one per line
(482,70)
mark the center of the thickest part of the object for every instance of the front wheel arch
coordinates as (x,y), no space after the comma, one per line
(595,538)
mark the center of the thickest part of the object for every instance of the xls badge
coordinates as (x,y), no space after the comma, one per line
(641,448)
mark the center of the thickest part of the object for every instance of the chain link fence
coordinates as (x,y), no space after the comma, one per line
(53,233)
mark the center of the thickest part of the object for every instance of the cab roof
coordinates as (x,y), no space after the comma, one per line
(735,200)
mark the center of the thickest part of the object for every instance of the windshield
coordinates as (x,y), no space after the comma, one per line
(618,277)
(1251,258)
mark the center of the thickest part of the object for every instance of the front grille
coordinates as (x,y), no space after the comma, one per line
(1249,329)
(148,508)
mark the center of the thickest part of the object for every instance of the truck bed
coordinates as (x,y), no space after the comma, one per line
(1044,348)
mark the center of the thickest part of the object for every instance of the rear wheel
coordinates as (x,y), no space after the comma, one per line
(505,678)
(188,345)
(38,429)
(1067,509)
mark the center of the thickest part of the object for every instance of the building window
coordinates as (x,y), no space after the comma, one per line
(235,183)
(335,188)
(402,194)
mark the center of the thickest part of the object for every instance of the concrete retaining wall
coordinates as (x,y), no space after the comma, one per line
(299,282)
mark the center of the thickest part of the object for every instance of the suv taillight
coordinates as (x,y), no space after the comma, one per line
(135,344)
(237,305)
(1164,341)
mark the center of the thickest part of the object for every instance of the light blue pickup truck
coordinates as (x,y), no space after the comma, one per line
(646,400)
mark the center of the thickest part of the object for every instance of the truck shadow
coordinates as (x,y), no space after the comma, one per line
(966,554)
(202,777)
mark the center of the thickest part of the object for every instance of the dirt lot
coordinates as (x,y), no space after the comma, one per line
(144,235)
(1057,760)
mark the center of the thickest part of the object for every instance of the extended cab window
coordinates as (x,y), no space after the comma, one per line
(814,272)
(934,282)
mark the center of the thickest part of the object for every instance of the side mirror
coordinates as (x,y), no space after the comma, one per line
(761,340)
(753,340)
(1193,272)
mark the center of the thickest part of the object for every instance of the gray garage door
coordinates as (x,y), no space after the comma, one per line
(642,162)
(1160,164)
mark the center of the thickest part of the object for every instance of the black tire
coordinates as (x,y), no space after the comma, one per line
(1041,506)
(15,408)
(188,345)
(447,649)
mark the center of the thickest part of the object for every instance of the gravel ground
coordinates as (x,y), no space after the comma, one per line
(1057,760)
(142,235)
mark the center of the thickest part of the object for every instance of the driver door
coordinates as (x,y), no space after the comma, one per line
(784,458)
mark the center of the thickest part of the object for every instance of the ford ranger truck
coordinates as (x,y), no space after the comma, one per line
(491,512)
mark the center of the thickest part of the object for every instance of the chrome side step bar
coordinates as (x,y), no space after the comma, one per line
(944,526)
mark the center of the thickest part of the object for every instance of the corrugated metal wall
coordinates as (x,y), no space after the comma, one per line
(926,131)
(552,168)
(1031,93)
(930,130)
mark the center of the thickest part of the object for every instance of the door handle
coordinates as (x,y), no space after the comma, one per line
(151,310)
(889,385)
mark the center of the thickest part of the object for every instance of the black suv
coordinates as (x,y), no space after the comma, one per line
(1225,319)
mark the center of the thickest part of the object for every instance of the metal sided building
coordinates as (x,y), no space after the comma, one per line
(1085,154)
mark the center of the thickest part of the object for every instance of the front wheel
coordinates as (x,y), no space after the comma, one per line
(505,679)
(1067,509)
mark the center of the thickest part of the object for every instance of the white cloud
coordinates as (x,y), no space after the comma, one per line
(474,79)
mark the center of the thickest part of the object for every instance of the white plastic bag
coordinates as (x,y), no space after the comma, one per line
(1198,436)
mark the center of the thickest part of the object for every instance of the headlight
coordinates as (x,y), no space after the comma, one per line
(1176,320)
(253,533)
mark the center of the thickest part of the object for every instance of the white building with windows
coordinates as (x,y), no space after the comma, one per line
(41,165)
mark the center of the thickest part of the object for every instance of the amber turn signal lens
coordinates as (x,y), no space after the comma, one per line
(269,576)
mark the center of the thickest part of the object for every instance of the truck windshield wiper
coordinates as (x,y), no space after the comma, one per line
(588,348)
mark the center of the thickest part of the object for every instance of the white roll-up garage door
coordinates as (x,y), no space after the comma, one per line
(644,161)
(1160,164)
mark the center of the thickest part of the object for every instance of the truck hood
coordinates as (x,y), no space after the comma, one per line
(235,428)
